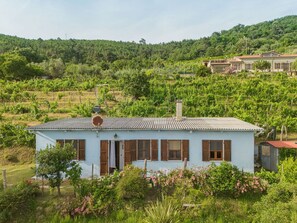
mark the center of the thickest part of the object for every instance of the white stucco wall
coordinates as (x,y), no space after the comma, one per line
(242,146)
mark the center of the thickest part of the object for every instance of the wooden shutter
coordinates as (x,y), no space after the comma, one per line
(82,150)
(133,150)
(154,146)
(185,152)
(130,151)
(103,157)
(227,150)
(205,150)
(164,150)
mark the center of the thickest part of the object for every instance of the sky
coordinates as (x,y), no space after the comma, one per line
(155,21)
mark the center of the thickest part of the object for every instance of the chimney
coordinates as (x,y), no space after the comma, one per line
(179,110)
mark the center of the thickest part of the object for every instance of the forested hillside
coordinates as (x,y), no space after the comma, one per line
(279,35)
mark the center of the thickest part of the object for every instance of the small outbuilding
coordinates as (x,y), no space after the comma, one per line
(272,152)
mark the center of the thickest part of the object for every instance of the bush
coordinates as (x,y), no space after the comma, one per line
(132,185)
(17,201)
(279,205)
(288,170)
(11,158)
(269,176)
(223,178)
(104,194)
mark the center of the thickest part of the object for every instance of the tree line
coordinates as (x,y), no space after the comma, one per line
(56,56)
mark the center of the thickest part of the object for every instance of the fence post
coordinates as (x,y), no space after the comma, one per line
(4,179)
(145,166)
(92,171)
(185,164)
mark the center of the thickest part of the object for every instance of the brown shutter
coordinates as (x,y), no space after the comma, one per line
(133,150)
(82,150)
(60,142)
(164,155)
(154,150)
(103,157)
(185,150)
(227,150)
(205,150)
(127,155)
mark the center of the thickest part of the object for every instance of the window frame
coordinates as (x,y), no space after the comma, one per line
(180,149)
(216,151)
(150,149)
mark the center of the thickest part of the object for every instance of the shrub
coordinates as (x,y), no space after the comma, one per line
(17,201)
(165,211)
(11,158)
(104,194)
(279,205)
(288,170)
(223,178)
(269,176)
(132,184)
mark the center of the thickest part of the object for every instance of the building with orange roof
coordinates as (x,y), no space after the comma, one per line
(279,63)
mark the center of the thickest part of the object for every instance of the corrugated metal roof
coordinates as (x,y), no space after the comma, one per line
(203,124)
(283,144)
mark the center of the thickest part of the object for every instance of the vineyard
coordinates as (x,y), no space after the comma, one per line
(264,99)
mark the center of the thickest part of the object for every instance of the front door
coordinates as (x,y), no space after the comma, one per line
(116,155)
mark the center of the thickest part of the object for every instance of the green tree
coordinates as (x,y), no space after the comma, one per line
(261,65)
(14,66)
(54,161)
(134,82)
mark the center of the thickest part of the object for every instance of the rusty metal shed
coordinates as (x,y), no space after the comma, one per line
(269,152)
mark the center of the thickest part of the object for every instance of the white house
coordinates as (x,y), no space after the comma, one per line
(164,142)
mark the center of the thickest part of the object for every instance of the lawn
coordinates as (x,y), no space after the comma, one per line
(18,173)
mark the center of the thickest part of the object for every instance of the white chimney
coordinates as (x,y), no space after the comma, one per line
(179,110)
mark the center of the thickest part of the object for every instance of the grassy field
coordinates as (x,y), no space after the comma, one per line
(18,173)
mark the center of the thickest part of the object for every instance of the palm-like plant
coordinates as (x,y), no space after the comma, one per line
(164,211)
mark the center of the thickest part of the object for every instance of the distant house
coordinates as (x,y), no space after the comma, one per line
(270,152)
(279,62)
(163,142)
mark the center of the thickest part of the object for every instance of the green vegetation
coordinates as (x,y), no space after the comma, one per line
(143,80)
(53,161)
(17,202)
(261,65)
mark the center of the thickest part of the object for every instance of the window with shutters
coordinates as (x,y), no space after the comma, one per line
(78,145)
(143,149)
(174,149)
(216,149)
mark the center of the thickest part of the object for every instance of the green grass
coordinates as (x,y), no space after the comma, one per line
(18,173)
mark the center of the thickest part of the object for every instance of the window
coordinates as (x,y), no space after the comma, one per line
(285,66)
(216,150)
(143,149)
(174,149)
(277,65)
(78,145)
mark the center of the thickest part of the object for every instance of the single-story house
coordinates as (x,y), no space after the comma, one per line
(111,143)
(270,153)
